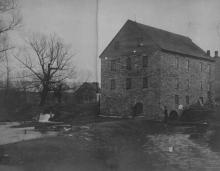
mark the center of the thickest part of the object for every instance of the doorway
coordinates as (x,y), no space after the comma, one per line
(137,109)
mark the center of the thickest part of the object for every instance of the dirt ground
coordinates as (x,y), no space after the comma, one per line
(131,145)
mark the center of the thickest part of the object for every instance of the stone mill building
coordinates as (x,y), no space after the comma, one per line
(144,68)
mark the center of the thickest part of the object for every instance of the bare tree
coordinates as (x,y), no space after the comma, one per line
(49,63)
(9,20)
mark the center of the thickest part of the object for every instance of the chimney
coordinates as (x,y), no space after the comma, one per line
(208,52)
(216,53)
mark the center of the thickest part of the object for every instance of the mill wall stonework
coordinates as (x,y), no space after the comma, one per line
(190,76)
(121,101)
(163,71)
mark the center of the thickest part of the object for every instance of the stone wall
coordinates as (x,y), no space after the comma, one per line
(120,100)
(163,71)
(217,80)
(171,72)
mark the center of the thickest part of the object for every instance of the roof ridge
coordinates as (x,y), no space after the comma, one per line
(161,39)
(155,28)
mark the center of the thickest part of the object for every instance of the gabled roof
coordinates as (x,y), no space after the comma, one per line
(165,40)
(88,86)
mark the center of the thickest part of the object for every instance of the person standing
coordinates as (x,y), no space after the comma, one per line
(165,114)
(180,108)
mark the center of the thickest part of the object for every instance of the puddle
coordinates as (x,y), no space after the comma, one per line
(12,135)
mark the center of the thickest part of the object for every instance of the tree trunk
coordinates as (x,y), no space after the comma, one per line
(58,94)
(43,96)
(6,100)
(25,95)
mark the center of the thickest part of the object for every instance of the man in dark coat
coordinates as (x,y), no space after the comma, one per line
(165,114)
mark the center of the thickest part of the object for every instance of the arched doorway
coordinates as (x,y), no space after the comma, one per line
(173,116)
(137,109)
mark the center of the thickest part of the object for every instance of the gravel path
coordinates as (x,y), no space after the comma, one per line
(179,152)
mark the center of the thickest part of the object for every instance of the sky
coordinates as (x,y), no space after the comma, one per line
(75,22)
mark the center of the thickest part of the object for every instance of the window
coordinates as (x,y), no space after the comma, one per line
(145,82)
(187,84)
(113,84)
(209,86)
(145,61)
(187,100)
(201,66)
(117,45)
(177,83)
(176,62)
(176,100)
(201,99)
(201,86)
(209,69)
(128,63)
(113,65)
(187,64)
(128,83)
